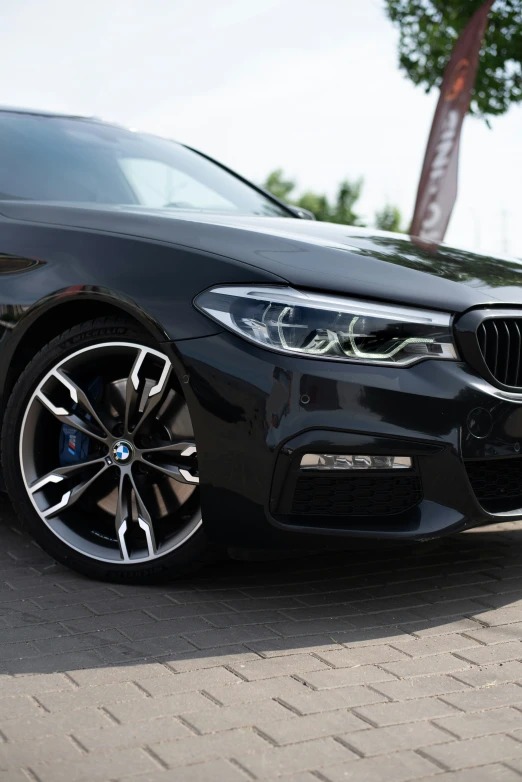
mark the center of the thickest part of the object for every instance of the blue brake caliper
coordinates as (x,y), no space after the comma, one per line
(74,445)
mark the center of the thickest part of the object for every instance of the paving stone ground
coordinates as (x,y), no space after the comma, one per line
(385,663)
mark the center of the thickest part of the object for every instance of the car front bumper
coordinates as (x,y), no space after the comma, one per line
(256,412)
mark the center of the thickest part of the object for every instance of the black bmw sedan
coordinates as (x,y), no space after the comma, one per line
(186,361)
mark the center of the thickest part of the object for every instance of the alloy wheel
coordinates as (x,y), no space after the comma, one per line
(108,455)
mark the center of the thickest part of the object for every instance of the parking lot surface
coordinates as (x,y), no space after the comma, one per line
(385,663)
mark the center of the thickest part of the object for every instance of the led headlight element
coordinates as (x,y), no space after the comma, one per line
(354,461)
(315,325)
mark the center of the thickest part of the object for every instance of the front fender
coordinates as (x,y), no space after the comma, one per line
(160,279)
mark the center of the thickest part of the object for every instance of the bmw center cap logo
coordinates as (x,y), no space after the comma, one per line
(122,451)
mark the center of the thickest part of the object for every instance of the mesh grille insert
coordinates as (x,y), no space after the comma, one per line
(500,342)
(356,496)
(497,483)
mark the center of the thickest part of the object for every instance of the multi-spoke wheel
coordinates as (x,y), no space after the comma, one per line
(100,456)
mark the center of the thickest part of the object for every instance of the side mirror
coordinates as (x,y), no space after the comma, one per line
(304,214)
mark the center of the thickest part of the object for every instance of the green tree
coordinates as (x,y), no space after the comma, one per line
(316,203)
(347,196)
(340,210)
(388,219)
(276,183)
(428,32)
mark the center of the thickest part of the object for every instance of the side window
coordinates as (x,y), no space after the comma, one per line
(157,184)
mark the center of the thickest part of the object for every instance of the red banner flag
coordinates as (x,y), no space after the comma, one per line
(438,183)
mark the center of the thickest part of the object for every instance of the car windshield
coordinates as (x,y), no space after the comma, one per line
(48,158)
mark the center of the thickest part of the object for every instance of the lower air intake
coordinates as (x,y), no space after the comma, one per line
(356,496)
(497,483)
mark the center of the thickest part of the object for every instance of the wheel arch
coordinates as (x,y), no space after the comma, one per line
(53,315)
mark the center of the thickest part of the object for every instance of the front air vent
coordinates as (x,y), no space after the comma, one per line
(500,343)
(497,483)
(354,495)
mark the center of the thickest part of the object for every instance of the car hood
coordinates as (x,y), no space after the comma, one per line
(308,254)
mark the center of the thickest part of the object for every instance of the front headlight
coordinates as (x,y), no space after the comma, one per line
(311,324)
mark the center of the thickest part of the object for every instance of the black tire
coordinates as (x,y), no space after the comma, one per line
(188,556)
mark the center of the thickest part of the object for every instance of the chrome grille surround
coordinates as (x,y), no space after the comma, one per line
(490,341)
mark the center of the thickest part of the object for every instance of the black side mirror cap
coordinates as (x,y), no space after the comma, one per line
(304,214)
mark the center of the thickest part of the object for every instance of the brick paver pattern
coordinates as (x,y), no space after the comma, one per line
(383,663)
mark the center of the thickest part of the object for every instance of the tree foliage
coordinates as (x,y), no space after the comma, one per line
(429,30)
(339,210)
(277,184)
(388,218)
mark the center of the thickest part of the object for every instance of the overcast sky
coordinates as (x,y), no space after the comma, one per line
(311,87)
